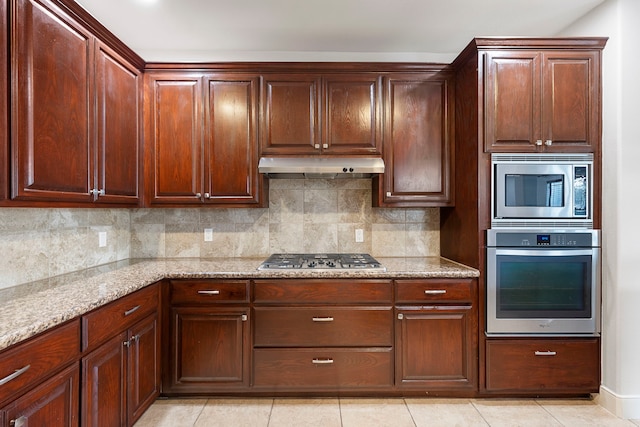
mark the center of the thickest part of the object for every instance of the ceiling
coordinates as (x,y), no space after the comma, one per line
(324,30)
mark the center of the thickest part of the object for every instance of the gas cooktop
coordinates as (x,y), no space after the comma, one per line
(321,262)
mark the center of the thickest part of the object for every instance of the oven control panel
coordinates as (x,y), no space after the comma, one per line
(520,238)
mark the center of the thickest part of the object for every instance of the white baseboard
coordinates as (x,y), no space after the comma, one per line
(627,407)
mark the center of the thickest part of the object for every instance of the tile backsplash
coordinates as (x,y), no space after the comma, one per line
(314,215)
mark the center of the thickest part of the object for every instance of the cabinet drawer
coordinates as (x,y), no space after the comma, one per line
(329,291)
(111,319)
(313,368)
(31,362)
(571,365)
(209,291)
(323,326)
(434,291)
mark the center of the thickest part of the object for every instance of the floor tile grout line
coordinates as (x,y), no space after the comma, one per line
(406,405)
(201,411)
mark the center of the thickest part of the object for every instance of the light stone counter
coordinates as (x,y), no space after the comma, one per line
(29,309)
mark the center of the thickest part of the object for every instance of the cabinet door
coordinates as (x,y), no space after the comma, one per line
(512,101)
(118,127)
(351,115)
(4,105)
(51,105)
(290,108)
(209,349)
(143,368)
(435,348)
(231,122)
(418,146)
(570,100)
(53,403)
(174,129)
(104,384)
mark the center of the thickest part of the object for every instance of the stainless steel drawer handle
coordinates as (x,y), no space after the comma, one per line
(327,361)
(323,319)
(213,292)
(131,311)
(435,291)
(18,422)
(545,353)
(15,375)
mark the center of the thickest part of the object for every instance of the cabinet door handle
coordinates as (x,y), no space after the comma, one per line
(211,292)
(539,142)
(548,142)
(323,319)
(18,422)
(132,310)
(15,375)
(435,291)
(545,353)
(327,361)
(244,317)
(316,146)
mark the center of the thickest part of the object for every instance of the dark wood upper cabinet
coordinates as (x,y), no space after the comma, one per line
(418,145)
(74,106)
(118,125)
(202,139)
(542,100)
(321,114)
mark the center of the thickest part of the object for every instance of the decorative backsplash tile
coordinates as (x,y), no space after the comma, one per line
(315,215)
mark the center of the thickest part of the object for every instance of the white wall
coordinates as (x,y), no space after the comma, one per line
(618,19)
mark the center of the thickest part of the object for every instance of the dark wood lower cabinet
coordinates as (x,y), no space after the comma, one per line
(53,403)
(121,377)
(210,350)
(538,366)
(435,348)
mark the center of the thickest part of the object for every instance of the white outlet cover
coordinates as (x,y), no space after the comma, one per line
(359,235)
(102,239)
(208,234)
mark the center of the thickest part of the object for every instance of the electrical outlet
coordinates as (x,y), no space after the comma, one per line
(359,235)
(102,239)
(208,234)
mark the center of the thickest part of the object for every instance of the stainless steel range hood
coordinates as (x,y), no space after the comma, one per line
(320,167)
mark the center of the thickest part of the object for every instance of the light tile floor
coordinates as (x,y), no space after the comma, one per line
(363,412)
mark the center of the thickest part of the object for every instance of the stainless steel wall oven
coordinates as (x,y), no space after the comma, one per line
(543,282)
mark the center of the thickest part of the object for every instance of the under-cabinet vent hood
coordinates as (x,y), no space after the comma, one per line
(320,167)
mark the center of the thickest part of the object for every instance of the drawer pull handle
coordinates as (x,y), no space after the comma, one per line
(323,319)
(245,318)
(214,292)
(327,361)
(131,311)
(15,375)
(435,291)
(545,353)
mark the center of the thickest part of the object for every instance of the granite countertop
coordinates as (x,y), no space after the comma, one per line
(31,308)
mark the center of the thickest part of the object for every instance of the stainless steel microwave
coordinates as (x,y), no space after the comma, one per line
(542,190)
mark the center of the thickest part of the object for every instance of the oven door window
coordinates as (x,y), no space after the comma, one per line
(543,286)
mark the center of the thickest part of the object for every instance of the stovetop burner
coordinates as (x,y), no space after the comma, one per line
(321,262)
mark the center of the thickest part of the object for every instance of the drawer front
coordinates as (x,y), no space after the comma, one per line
(571,365)
(434,291)
(322,368)
(323,326)
(115,317)
(29,363)
(330,291)
(209,291)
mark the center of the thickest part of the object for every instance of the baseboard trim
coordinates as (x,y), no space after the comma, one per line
(627,407)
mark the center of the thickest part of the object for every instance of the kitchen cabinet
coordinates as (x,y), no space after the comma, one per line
(322,335)
(542,366)
(75,106)
(542,100)
(326,114)
(418,141)
(202,140)
(209,337)
(121,365)
(4,103)
(39,379)
(436,341)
